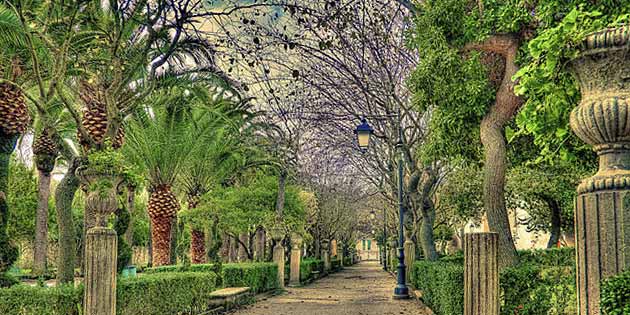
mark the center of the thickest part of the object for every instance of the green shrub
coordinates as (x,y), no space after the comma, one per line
(260,277)
(532,290)
(442,286)
(615,295)
(307,266)
(335,264)
(165,293)
(27,300)
(564,256)
(347,261)
(525,290)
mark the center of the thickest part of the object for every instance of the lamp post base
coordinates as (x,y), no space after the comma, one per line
(401,292)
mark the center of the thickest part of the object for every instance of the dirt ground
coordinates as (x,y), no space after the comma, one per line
(364,289)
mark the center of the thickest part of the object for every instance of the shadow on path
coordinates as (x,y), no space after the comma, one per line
(364,289)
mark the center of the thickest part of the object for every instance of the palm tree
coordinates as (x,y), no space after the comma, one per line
(160,139)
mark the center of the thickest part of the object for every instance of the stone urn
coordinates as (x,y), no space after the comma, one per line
(602,119)
(102,195)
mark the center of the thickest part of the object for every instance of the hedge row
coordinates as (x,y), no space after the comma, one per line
(564,256)
(27,300)
(260,277)
(335,264)
(615,298)
(307,266)
(525,290)
(167,293)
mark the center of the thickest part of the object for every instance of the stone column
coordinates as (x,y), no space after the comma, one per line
(278,254)
(326,255)
(296,255)
(100,271)
(410,256)
(481,274)
(259,245)
(242,251)
(602,212)
(100,246)
(333,248)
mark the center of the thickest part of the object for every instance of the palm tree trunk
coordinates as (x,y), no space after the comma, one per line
(161,240)
(197,247)
(131,204)
(41,223)
(64,195)
(8,250)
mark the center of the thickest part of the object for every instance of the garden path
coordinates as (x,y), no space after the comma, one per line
(363,289)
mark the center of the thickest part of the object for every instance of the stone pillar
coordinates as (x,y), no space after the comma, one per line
(100,272)
(333,248)
(259,245)
(410,256)
(100,254)
(278,254)
(242,250)
(296,255)
(326,255)
(602,209)
(481,274)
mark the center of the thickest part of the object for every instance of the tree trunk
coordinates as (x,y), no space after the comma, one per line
(197,247)
(150,246)
(64,195)
(161,240)
(494,144)
(556,222)
(131,206)
(426,231)
(41,224)
(282,182)
(8,252)
(174,240)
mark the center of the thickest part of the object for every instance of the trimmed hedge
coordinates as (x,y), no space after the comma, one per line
(335,264)
(307,266)
(564,256)
(166,293)
(260,277)
(525,290)
(442,286)
(615,295)
(27,300)
(347,261)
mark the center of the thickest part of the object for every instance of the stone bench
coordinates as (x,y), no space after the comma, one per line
(230,298)
(315,274)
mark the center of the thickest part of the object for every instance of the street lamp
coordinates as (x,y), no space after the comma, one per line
(364,132)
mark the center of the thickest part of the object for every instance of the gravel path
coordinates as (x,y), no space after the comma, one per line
(364,289)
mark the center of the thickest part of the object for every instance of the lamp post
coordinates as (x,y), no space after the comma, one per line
(363,133)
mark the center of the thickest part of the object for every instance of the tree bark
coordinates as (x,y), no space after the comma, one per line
(131,206)
(282,182)
(427,239)
(197,247)
(494,144)
(40,251)
(556,222)
(8,252)
(64,195)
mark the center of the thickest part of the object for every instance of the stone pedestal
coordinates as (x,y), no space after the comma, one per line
(410,257)
(602,213)
(278,258)
(326,255)
(481,274)
(242,251)
(296,255)
(100,272)
(259,245)
(333,248)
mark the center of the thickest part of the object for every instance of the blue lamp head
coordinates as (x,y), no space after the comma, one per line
(363,132)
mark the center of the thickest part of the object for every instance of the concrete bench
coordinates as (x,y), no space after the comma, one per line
(315,274)
(230,298)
